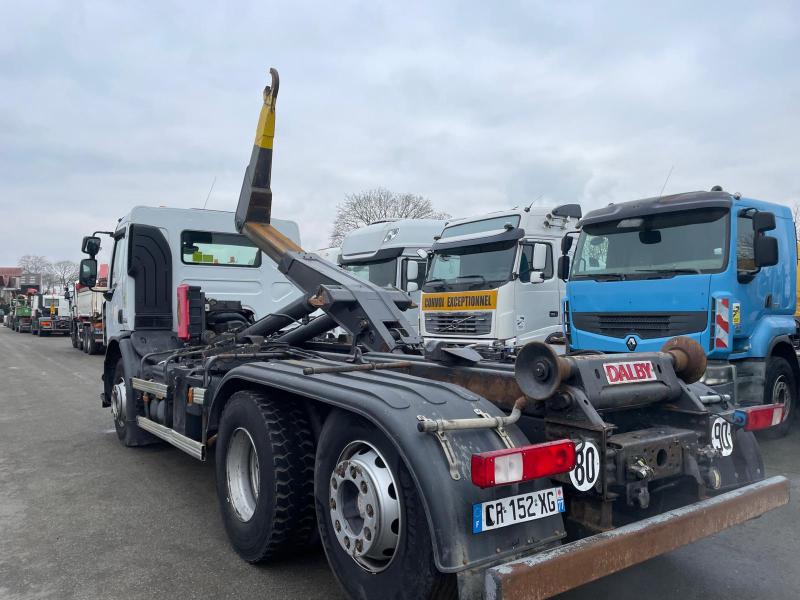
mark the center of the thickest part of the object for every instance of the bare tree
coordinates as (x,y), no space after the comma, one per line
(63,272)
(33,264)
(364,208)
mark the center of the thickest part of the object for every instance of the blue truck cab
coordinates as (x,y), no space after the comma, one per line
(713,266)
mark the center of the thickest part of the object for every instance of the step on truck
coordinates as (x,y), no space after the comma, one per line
(392,253)
(424,471)
(716,267)
(50,315)
(87,329)
(492,283)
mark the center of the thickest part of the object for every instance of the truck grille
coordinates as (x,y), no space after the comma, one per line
(648,325)
(458,323)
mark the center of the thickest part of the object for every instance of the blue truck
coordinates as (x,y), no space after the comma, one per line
(713,266)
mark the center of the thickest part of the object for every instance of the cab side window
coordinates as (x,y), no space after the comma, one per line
(536,257)
(745,236)
(117,270)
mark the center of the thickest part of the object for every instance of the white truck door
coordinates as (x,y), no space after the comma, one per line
(536,293)
(114,311)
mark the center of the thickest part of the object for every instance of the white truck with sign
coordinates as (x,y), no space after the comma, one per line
(390,253)
(422,470)
(492,284)
(49,315)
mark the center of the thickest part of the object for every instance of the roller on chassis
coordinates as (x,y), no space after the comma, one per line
(425,471)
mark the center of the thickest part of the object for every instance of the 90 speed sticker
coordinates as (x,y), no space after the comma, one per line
(722,436)
(587,466)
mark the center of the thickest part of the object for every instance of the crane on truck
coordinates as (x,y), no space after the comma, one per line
(425,471)
(717,267)
(491,283)
(392,253)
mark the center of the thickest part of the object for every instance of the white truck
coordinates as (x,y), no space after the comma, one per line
(86,308)
(49,315)
(158,250)
(491,283)
(387,253)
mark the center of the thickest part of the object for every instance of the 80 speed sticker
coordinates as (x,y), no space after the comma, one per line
(722,436)
(587,466)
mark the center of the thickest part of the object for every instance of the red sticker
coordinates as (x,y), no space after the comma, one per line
(629,372)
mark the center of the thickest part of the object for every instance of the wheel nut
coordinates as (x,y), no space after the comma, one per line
(367,534)
(338,526)
(363,487)
(347,541)
(334,485)
(370,511)
(359,545)
(353,472)
(333,504)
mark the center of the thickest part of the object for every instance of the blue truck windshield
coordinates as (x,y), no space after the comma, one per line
(652,246)
(471,267)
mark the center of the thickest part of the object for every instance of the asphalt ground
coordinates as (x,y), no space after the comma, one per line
(82,517)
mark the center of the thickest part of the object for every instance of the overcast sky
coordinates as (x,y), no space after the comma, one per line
(478,106)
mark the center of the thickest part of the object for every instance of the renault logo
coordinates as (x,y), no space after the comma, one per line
(631,343)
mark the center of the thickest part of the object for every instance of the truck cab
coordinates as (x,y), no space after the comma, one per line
(50,315)
(492,281)
(157,249)
(716,267)
(387,253)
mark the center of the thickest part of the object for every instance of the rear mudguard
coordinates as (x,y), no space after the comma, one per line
(392,401)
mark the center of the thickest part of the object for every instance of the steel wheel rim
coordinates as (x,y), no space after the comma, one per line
(364,506)
(242,474)
(118,403)
(781,395)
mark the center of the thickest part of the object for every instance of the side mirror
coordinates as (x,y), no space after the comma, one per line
(90,245)
(566,244)
(67,295)
(88,272)
(765,250)
(539,259)
(412,286)
(763,221)
(412,270)
(563,267)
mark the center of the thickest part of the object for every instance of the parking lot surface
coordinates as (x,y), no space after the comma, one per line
(82,517)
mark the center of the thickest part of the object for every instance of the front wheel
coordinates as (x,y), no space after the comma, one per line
(264,469)
(780,387)
(370,516)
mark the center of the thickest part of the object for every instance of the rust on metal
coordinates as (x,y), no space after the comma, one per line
(273,243)
(555,571)
(688,358)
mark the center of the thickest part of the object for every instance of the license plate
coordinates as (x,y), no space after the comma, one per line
(516,509)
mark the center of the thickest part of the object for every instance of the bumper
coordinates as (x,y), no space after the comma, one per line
(555,571)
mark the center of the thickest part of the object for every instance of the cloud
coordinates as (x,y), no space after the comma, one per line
(476,105)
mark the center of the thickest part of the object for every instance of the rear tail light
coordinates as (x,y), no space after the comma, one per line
(756,418)
(512,465)
(45,323)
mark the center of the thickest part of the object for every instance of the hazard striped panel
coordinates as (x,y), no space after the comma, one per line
(722,323)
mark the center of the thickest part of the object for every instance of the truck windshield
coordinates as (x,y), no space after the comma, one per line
(654,246)
(471,267)
(380,273)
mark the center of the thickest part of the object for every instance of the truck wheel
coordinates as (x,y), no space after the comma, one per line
(73,334)
(91,346)
(370,516)
(780,388)
(265,476)
(85,342)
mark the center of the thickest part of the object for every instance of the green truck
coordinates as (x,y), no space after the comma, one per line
(21,314)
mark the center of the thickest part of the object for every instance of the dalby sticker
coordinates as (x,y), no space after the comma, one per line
(629,372)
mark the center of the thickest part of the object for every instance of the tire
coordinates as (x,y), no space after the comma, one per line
(128,433)
(262,525)
(399,567)
(85,342)
(780,387)
(73,335)
(92,349)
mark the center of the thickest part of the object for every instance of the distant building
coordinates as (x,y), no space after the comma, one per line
(13,281)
